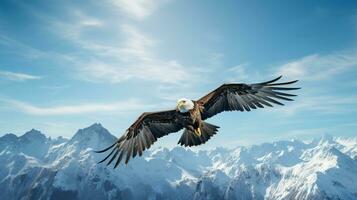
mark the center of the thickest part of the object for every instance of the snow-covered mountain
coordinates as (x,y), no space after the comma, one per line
(34,166)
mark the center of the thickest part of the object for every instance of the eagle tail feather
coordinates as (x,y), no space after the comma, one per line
(190,138)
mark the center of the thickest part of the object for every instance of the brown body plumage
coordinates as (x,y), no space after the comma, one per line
(190,115)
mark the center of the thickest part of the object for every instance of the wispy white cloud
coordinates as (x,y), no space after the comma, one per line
(243,72)
(74,28)
(323,104)
(321,98)
(23,50)
(165,72)
(18,76)
(55,87)
(239,72)
(318,67)
(20,48)
(129,55)
(121,106)
(138,9)
(134,59)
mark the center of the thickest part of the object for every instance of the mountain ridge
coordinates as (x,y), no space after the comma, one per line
(67,168)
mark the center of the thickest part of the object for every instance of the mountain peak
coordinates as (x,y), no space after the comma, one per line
(90,136)
(96,126)
(8,137)
(92,129)
(323,139)
(33,131)
(33,134)
(326,139)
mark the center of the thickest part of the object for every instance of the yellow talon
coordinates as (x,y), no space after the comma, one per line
(198,132)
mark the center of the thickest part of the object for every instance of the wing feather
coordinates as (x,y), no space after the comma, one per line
(119,159)
(142,134)
(113,157)
(245,97)
(107,156)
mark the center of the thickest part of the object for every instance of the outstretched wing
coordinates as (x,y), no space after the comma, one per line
(142,134)
(244,97)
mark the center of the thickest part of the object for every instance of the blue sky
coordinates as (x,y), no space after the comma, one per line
(68,64)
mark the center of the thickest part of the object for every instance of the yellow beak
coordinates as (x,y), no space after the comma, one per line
(180,104)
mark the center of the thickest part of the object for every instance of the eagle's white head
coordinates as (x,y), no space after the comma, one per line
(184,105)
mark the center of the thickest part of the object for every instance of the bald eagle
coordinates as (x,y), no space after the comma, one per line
(190,115)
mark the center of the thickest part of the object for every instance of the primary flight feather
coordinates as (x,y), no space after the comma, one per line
(190,115)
